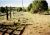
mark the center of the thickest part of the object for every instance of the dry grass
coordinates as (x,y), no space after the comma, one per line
(40,23)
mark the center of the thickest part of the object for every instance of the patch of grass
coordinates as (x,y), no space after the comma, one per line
(30,32)
(40,32)
(41,27)
(48,24)
(1,17)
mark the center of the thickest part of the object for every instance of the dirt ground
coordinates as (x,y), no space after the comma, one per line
(40,23)
(37,29)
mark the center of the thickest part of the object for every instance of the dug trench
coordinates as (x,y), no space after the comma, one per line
(17,29)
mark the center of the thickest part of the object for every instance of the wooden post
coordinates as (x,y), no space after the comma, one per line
(7,12)
(10,12)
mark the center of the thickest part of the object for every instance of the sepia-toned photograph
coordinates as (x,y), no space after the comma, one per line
(24,17)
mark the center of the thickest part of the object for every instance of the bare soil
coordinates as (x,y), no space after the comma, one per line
(40,23)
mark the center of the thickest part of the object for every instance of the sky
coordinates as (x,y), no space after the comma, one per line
(17,3)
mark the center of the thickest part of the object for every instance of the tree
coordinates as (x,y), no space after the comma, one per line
(2,9)
(19,9)
(39,5)
(29,7)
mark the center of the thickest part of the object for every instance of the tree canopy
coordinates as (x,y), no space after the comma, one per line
(2,9)
(38,5)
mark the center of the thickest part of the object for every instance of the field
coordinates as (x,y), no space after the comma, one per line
(40,24)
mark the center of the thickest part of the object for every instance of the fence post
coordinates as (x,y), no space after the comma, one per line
(10,12)
(6,12)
